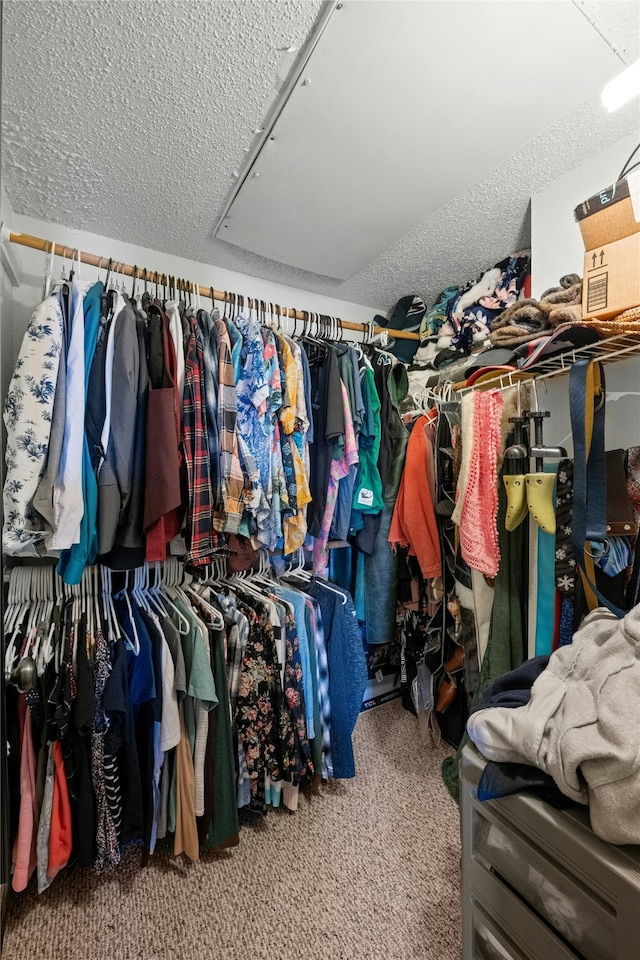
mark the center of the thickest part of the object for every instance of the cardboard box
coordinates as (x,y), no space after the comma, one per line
(612,214)
(611,279)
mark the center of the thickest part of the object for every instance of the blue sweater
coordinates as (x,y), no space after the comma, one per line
(347,672)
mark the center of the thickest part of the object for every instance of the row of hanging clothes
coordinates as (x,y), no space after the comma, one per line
(141,426)
(150,706)
(435,636)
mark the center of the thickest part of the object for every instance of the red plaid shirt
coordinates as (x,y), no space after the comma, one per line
(202,540)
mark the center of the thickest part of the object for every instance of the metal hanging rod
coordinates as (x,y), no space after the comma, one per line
(164,279)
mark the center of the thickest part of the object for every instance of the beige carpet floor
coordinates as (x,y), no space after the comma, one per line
(368,869)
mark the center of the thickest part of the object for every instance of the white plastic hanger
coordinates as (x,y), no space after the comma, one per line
(48,270)
(169,591)
(153,591)
(217,620)
(96,598)
(133,641)
(327,586)
(113,627)
(138,593)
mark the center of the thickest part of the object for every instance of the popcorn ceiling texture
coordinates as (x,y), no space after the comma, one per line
(128,120)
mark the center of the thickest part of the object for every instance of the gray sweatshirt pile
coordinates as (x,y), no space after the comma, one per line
(582,724)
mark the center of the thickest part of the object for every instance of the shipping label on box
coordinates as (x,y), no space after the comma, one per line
(612,214)
(611,282)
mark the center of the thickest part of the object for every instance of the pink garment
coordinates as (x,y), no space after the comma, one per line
(478,520)
(24,848)
(339,469)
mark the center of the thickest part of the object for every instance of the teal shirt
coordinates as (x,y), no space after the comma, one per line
(367,494)
(73,560)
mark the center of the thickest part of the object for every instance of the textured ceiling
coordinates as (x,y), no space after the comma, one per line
(128,119)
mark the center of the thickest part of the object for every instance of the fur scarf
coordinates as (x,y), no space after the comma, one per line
(529,319)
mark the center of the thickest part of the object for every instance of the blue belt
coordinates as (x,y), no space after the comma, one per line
(589,525)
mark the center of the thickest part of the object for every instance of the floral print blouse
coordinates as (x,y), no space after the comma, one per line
(27,416)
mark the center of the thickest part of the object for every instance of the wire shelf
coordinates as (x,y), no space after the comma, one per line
(611,350)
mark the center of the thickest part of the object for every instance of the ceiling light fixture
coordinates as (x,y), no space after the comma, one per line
(622,88)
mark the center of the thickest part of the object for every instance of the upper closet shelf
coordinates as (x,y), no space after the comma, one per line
(612,349)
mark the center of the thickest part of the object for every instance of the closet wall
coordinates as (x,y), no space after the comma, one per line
(28,295)
(556,241)
(557,249)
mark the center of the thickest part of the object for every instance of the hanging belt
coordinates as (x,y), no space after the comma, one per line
(589,525)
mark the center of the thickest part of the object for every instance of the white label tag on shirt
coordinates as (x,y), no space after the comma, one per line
(365,497)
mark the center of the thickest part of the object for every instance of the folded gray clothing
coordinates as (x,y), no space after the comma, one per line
(582,724)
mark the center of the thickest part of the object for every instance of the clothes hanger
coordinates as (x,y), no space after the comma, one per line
(216,617)
(217,577)
(95,596)
(153,590)
(86,605)
(17,607)
(47,651)
(17,611)
(64,260)
(48,270)
(298,572)
(136,592)
(42,618)
(107,606)
(327,586)
(72,269)
(133,642)
(168,591)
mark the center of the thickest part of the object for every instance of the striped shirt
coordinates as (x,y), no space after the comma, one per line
(230,469)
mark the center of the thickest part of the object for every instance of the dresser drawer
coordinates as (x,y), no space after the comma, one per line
(489,941)
(532,840)
(576,913)
(499,920)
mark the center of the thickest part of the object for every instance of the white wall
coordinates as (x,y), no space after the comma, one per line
(556,241)
(28,295)
(556,249)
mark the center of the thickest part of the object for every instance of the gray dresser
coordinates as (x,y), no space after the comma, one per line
(537,884)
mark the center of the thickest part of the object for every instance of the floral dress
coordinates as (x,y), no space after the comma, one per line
(294,698)
(265,730)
